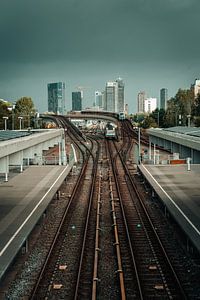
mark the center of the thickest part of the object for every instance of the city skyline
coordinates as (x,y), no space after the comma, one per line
(147,43)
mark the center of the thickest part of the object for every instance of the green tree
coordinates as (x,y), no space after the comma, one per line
(25,108)
(149,122)
(4,112)
(138,118)
(195,113)
(170,118)
(158,116)
(179,108)
(184,99)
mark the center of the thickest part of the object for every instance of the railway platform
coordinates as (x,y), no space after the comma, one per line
(179,189)
(22,202)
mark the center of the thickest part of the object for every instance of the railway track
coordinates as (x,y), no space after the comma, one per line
(58,276)
(106,246)
(153,269)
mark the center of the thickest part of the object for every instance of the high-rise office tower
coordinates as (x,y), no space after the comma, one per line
(111,96)
(56,97)
(120,102)
(114,96)
(98,99)
(141,100)
(163,98)
(126,109)
(76,101)
(103,100)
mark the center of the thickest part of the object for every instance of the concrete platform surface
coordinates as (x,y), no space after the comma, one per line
(23,199)
(179,189)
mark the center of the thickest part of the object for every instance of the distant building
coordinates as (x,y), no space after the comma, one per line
(141,99)
(126,109)
(120,102)
(56,97)
(77,101)
(163,98)
(99,99)
(114,96)
(104,100)
(196,87)
(111,96)
(150,104)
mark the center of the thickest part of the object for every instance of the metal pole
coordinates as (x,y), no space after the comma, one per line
(13,115)
(20,122)
(13,127)
(188,120)
(139,145)
(149,149)
(60,153)
(154,154)
(5,122)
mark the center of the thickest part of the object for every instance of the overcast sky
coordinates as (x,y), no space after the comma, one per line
(149,43)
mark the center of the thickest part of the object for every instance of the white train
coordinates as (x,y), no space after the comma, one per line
(110,131)
(121,116)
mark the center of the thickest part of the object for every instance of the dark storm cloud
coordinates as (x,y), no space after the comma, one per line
(46,30)
(150,43)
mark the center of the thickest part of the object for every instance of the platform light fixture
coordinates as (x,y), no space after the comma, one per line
(5,122)
(20,122)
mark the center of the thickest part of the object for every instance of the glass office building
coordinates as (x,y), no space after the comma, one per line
(56,98)
(76,101)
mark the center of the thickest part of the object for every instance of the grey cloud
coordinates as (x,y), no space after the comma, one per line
(101,30)
(70,39)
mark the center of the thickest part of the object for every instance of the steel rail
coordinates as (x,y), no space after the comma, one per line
(95,165)
(126,225)
(97,248)
(75,190)
(152,227)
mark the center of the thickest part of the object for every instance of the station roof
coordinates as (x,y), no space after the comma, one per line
(12,134)
(186,136)
(193,131)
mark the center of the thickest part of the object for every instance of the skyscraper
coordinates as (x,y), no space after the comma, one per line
(56,97)
(120,106)
(98,99)
(141,100)
(76,101)
(163,98)
(111,96)
(114,96)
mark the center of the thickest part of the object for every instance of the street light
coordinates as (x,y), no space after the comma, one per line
(20,122)
(5,122)
(189,118)
(139,148)
(13,116)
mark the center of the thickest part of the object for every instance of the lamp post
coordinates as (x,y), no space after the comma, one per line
(13,116)
(139,148)
(20,122)
(5,122)
(158,118)
(189,117)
